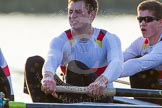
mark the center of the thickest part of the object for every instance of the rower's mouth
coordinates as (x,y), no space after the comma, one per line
(142,29)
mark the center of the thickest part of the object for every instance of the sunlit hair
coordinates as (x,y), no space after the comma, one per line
(92,5)
(153,6)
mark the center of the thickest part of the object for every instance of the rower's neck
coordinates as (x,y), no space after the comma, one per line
(154,39)
(83,34)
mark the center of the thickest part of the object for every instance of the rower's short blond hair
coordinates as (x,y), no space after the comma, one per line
(92,5)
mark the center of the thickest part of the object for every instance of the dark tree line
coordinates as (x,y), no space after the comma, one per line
(56,6)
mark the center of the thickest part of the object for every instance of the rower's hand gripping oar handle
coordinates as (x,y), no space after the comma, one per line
(83,90)
(143,93)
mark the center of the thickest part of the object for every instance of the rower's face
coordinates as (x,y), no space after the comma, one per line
(148,23)
(78,15)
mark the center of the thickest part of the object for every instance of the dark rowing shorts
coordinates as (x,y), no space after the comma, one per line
(146,80)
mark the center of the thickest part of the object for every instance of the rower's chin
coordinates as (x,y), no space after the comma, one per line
(75,27)
(144,33)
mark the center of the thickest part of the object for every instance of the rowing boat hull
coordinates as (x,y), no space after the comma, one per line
(12,104)
(86,105)
(125,103)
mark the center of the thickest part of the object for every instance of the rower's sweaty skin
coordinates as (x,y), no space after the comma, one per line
(94,89)
(97,87)
(49,84)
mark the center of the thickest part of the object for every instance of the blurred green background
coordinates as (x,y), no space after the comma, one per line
(60,6)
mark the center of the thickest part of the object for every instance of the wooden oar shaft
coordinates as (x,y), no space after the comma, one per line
(123,82)
(83,90)
(114,91)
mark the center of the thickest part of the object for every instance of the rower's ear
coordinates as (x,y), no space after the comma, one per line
(92,16)
(161,22)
